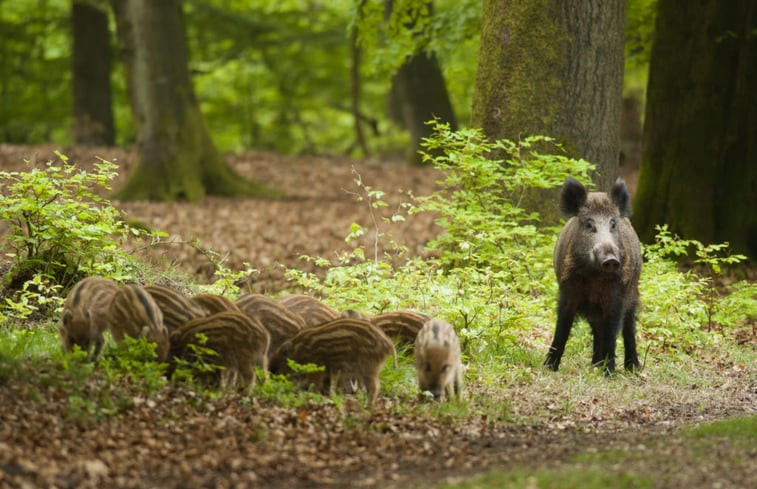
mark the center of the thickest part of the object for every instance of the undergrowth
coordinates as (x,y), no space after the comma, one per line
(489,273)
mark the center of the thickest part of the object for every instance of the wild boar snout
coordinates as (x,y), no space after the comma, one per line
(606,256)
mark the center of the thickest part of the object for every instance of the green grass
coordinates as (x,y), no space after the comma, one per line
(556,479)
(741,431)
(647,462)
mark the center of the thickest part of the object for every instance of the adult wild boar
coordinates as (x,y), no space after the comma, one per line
(597,261)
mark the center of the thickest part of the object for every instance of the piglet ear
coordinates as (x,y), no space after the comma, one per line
(68,316)
(621,197)
(572,197)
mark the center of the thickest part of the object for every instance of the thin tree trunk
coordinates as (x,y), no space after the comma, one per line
(698,171)
(355,84)
(418,95)
(92,107)
(177,158)
(554,67)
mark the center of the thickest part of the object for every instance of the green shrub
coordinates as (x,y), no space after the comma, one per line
(683,311)
(60,230)
(490,271)
(493,274)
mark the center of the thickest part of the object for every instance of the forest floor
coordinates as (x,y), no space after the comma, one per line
(179,440)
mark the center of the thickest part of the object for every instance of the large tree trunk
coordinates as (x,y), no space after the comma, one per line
(554,67)
(699,172)
(93,109)
(177,158)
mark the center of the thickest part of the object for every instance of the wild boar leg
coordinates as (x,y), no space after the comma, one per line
(565,316)
(372,386)
(631,362)
(604,347)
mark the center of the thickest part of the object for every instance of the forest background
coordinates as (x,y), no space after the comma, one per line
(362,79)
(321,81)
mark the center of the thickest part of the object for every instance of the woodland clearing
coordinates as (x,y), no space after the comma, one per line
(568,426)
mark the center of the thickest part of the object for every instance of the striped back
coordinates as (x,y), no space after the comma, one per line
(177,308)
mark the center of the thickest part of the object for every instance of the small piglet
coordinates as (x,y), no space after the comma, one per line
(133,312)
(280,322)
(597,260)
(213,303)
(85,314)
(437,360)
(313,311)
(237,342)
(177,308)
(400,325)
(347,348)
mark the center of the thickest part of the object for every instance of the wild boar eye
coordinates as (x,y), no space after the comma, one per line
(613,224)
(428,367)
(444,368)
(589,225)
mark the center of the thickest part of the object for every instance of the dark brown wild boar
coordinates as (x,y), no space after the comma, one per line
(313,311)
(597,261)
(347,348)
(280,322)
(177,308)
(437,360)
(133,312)
(85,314)
(239,344)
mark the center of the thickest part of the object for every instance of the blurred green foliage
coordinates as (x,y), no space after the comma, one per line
(269,75)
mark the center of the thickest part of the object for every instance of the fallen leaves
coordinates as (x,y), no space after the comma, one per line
(178,439)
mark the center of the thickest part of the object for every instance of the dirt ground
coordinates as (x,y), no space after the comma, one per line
(178,440)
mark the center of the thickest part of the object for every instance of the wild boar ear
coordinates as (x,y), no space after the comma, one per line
(147,333)
(572,197)
(621,197)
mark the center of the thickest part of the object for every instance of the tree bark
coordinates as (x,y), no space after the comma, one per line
(418,95)
(555,68)
(698,171)
(177,157)
(355,84)
(92,107)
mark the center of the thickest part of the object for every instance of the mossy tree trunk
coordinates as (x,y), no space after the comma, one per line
(699,163)
(418,95)
(92,104)
(555,68)
(177,157)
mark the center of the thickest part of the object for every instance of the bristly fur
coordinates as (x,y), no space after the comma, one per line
(133,312)
(177,308)
(348,349)
(239,344)
(85,314)
(313,311)
(437,360)
(597,261)
(280,322)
